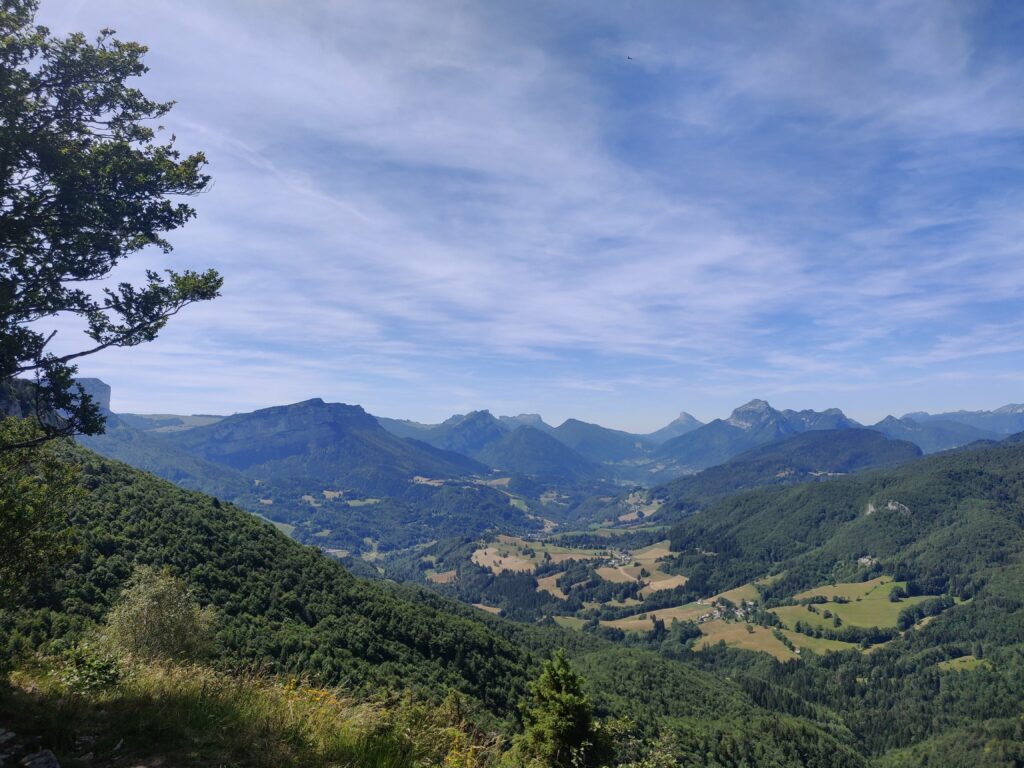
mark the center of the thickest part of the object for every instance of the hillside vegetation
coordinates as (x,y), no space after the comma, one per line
(284,609)
(893,598)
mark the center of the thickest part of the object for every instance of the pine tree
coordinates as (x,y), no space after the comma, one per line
(560,728)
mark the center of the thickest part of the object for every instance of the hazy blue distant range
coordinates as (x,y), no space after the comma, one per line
(351,481)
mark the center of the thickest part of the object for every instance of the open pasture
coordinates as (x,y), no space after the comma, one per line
(964,664)
(817,644)
(497,559)
(549,584)
(642,622)
(650,555)
(442,577)
(869,605)
(737,595)
(512,553)
(661,581)
(851,590)
(488,608)
(738,634)
(617,575)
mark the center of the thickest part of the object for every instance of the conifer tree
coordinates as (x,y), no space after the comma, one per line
(560,728)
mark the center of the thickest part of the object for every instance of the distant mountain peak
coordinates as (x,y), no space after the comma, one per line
(527,418)
(685,418)
(1011,408)
(460,418)
(893,420)
(751,414)
(680,425)
(483,415)
(313,402)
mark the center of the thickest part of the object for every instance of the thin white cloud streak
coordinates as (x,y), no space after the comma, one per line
(401,189)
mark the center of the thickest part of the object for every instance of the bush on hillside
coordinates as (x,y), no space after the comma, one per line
(156,618)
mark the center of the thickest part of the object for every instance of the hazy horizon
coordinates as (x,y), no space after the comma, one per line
(645,429)
(586,211)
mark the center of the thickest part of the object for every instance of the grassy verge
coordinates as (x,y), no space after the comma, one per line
(193,716)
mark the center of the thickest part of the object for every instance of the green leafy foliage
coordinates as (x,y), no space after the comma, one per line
(90,667)
(37,489)
(156,617)
(85,184)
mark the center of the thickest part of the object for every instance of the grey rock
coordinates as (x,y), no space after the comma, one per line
(44,759)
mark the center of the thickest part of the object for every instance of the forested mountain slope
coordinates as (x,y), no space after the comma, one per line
(599,443)
(933,435)
(466,434)
(799,459)
(944,685)
(283,607)
(327,470)
(529,451)
(150,453)
(331,443)
(951,522)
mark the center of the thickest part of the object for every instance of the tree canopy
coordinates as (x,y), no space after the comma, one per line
(37,489)
(560,726)
(85,182)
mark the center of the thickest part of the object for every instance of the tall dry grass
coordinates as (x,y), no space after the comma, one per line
(192,715)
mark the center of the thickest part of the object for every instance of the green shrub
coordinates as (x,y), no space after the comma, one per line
(156,617)
(90,668)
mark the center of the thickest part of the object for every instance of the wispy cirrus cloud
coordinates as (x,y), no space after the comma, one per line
(566,209)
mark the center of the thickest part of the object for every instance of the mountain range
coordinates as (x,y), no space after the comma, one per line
(684,445)
(770,544)
(334,443)
(753,424)
(933,435)
(336,472)
(1007,420)
(687,445)
(796,459)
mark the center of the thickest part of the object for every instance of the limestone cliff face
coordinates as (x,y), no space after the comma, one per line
(16,398)
(98,390)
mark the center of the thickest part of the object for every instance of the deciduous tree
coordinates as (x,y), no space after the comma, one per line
(85,182)
(37,489)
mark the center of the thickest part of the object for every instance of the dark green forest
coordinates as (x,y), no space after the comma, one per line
(285,608)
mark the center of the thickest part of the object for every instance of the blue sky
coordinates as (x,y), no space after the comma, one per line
(607,210)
